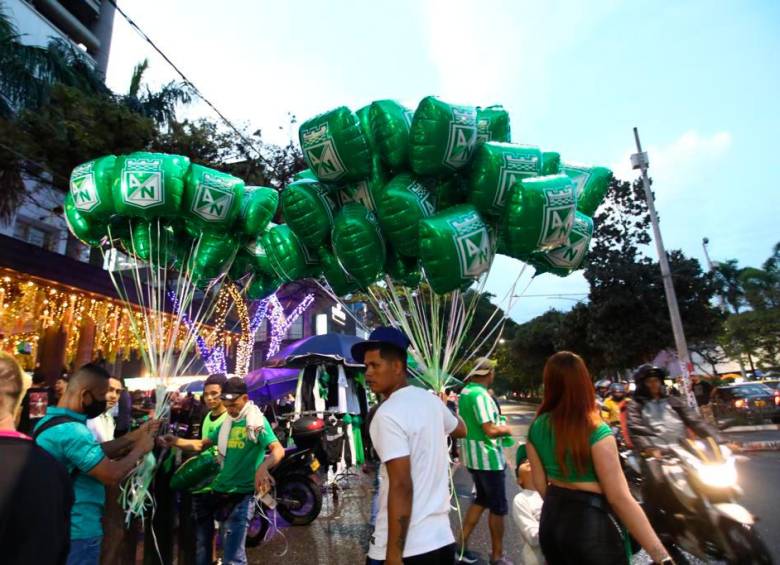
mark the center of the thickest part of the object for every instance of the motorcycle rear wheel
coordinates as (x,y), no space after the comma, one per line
(299,500)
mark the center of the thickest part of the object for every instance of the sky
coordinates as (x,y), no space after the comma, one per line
(695,76)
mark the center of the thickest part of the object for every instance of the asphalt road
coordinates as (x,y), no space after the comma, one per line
(340,535)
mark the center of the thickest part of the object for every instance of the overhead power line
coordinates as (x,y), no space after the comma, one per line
(188,82)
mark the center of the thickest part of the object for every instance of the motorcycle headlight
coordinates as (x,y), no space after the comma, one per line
(719,475)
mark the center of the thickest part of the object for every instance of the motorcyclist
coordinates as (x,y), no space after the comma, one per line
(612,406)
(602,389)
(657,420)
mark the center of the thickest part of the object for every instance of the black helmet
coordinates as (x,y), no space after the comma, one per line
(618,388)
(648,370)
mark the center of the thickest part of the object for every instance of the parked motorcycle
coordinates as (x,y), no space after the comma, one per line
(694,504)
(297,495)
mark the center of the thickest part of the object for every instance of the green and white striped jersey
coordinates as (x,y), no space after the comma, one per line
(477,450)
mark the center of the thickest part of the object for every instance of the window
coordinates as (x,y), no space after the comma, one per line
(296,329)
(34,235)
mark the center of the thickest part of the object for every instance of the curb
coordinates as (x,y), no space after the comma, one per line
(760,446)
(759,428)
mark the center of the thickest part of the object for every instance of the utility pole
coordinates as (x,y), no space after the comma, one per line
(640,161)
(721,298)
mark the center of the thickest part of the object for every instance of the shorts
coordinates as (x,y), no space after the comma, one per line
(491,491)
(442,556)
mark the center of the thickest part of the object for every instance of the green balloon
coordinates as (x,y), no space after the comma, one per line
(551,163)
(212,199)
(196,472)
(455,248)
(335,147)
(258,209)
(341,283)
(358,244)
(400,206)
(391,124)
(497,167)
(152,242)
(308,210)
(289,257)
(211,257)
(539,215)
(305,174)
(364,117)
(449,191)
(91,185)
(149,185)
(91,233)
(403,270)
(442,137)
(493,124)
(592,185)
(564,260)
(262,286)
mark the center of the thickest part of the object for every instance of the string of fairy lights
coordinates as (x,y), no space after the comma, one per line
(30,306)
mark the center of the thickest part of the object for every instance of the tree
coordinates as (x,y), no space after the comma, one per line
(161,105)
(534,342)
(628,319)
(729,285)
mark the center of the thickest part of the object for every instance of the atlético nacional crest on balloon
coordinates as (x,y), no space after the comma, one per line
(558,218)
(463,137)
(83,189)
(142,182)
(570,256)
(213,198)
(475,249)
(514,169)
(321,153)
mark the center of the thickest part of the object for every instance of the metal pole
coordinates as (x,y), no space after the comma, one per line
(640,161)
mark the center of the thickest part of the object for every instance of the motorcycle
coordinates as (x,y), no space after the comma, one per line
(297,494)
(694,504)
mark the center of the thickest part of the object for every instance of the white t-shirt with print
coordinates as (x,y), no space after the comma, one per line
(413,422)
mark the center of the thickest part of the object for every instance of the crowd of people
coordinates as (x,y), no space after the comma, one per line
(574,505)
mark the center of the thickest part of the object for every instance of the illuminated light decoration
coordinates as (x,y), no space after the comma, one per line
(281,323)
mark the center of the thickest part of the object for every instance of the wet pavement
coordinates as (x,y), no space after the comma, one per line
(340,535)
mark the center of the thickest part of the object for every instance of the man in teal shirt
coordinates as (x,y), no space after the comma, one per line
(242,441)
(64,434)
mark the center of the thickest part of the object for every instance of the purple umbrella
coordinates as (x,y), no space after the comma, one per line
(318,350)
(268,384)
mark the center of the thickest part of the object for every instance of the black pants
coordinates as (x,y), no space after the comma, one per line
(442,556)
(577,527)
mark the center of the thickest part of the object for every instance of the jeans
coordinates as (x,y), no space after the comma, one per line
(234,527)
(85,551)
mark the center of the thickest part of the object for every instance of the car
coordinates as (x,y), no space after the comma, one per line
(745,403)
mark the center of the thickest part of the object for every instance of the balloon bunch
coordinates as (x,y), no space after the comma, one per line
(437,191)
(420,202)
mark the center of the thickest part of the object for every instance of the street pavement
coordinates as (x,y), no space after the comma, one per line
(340,535)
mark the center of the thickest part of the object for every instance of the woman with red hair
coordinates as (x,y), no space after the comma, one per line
(575,467)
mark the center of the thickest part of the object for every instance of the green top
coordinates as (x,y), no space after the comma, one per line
(540,434)
(208,429)
(73,445)
(477,450)
(242,459)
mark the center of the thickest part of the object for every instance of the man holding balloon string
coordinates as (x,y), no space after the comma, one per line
(241,441)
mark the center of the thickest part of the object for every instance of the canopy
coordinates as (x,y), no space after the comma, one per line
(268,384)
(316,350)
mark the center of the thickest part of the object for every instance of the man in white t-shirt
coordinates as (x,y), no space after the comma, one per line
(409,433)
(104,426)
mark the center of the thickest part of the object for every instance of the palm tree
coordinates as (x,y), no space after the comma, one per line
(727,279)
(27,72)
(160,106)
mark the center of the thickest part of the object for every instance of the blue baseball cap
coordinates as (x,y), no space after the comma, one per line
(381,335)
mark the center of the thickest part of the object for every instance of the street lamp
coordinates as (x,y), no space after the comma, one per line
(640,161)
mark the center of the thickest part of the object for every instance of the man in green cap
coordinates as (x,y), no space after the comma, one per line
(482,452)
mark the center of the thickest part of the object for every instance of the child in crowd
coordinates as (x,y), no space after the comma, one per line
(527,510)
